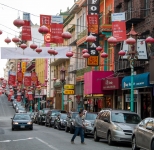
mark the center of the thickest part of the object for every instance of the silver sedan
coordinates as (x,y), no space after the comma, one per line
(143,135)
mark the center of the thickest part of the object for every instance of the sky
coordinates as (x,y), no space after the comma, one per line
(35,7)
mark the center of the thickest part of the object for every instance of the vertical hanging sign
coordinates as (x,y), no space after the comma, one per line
(93,9)
(12,78)
(27,79)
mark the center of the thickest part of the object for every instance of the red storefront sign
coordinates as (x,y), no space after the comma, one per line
(119,30)
(34,78)
(45,20)
(27,79)
(12,78)
(92,23)
(30,96)
(26,31)
(111,83)
(19,77)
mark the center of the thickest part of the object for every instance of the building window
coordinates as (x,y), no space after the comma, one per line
(147,7)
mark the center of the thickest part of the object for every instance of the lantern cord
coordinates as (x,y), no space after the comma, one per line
(17,9)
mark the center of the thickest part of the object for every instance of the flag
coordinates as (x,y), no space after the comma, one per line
(27,79)
(12,78)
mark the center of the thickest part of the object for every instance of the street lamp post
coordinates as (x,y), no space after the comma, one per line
(39,92)
(24,89)
(62,78)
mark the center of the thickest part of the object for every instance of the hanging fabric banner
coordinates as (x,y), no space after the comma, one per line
(34,78)
(30,96)
(19,77)
(92,23)
(12,78)
(45,20)
(26,29)
(27,79)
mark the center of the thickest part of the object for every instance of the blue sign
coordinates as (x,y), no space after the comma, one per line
(140,81)
(57,19)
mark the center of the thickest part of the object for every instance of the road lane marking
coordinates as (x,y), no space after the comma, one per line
(22,139)
(5,141)
(51,146)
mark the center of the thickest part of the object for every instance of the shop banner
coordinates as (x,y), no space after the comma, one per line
(30,96)
(92,23)
(56,32)
(19,77)
(118,16)
(34,78)
(45,20)
(27,79)
(26,29)
(12,78)
(57,19)
(119,30)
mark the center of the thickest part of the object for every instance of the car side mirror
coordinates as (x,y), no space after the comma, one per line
(149,127)
(106,120)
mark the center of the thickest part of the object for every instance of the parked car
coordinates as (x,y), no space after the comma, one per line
(35,118)
(42,118)
(19,107)
(22,121)
(115,125)
(31,115)
(88,121)
(21,110)
(51,115)
(143,135)
(70,120)
(60,121)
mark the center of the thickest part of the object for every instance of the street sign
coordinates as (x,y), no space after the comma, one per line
(69,86)
(69,92)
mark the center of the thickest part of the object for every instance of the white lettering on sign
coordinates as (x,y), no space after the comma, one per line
(93,8)
(94,1)
(93,45)
(93,52)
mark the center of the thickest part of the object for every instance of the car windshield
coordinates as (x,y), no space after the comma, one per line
(63,116)
(21,108)
(90,116)
(21,117)
(45,111)
(74,115)
(55,113)
(125,118)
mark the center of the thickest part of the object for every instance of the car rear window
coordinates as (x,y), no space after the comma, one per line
(21,117)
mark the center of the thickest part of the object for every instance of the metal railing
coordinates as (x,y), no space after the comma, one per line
(72,39)
(82,34)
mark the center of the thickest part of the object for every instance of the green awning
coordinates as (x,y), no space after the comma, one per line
(107,34)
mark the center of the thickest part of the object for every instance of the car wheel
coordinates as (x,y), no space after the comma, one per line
(71,129)
(46,124)
(12,129)
(59,127)
(96,138)
(109,139)
(134,147)
(66,129)
(31,128)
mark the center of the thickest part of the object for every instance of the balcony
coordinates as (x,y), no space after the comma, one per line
(82,3)
(31,65)
(72,41)
(136,16)
(81,37)
(72,68)
(121,66)
(58,61)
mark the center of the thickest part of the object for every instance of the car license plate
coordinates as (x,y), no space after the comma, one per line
(22,126)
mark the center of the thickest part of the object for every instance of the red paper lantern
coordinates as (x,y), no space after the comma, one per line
(149,40)
(130,41)
(43,30)
(1,32)
(86,55)
(66,35)
(23,46)
(7,40)
(55,53)
(15,40)
(51,51)
(99,48)
(121,53)
(54,79)
(104,55)
(33,46)
(112,40)
(46,80)
(18,23)
(69,54)
(38,50)
(39,86)
(91,38)
(84,51)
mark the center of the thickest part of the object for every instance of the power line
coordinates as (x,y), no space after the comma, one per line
(18,9)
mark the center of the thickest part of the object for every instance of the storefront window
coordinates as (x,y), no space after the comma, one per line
(119,102)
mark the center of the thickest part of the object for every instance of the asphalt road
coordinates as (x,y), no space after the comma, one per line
(42,138)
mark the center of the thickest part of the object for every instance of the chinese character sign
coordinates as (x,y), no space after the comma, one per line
(45,20)
(27,79)
(34,78)
(92,23)
(23,66)
(12,78)
(19,77)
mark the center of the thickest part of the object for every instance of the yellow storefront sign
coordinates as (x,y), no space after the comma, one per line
(23,67)
(69,86)
(69,92)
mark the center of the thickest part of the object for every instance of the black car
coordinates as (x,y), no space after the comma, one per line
(22,121)
(51,116)
(60,121)
(42,117)
(37,117)
(70,120)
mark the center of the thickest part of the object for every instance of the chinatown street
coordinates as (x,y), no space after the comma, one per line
(43,138)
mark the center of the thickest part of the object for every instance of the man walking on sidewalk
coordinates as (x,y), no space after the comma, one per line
(78,128)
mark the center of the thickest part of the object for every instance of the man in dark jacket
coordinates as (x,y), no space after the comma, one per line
(78,128)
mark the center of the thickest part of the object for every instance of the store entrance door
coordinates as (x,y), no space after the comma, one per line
(146,105)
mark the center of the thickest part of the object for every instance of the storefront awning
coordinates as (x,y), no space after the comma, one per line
(140,81)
